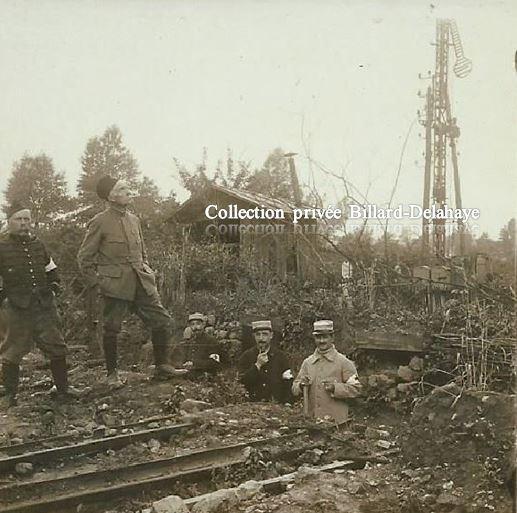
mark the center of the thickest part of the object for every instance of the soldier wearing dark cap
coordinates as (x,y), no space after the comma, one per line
(30,282)
(114,258)
(201,352)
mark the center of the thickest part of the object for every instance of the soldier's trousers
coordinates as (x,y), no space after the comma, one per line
(38,325)
(148,308)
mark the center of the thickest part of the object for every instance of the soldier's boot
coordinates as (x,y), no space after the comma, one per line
(10,379)
(163,370)
(62,389)
(109,344)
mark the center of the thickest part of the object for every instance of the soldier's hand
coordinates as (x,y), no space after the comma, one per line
(305,381)
(329,387)
(262,359)
(55,288)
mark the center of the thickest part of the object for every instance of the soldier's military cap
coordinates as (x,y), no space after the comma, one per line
(104,186)
(323,327)
(196,317)
(261,325)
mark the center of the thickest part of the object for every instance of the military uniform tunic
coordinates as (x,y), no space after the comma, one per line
(113,256)
(27,273)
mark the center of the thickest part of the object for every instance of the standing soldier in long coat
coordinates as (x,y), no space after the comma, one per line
(114,258)
(29,284)
(329,376)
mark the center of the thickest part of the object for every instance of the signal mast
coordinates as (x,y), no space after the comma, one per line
(442,130)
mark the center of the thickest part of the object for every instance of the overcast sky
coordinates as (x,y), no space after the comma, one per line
(177,76)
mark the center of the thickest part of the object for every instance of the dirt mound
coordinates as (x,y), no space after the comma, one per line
(468,434)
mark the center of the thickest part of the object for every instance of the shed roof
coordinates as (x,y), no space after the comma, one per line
(190,208)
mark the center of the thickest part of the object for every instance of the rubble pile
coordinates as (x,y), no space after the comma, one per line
(398,386)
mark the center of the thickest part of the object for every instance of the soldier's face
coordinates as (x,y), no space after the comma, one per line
(121,193)
(324,341)
(20,222)
(197,326)
(263,339)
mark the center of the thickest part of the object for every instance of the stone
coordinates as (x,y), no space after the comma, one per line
(192,405)
(304,473)
(385,380)
(153,425)
(404,388)
(248,490)
(356,488)
(376,434)
(24,468)
(416,363)
(448,499)
(392,394)
(154,445)
(170,504)
(405,373)
(383,444)
(372,381)
(224,499)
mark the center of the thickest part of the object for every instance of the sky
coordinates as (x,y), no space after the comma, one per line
(338,81)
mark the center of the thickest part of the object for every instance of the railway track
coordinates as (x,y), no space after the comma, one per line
(86,447)
(52,495)
(57,441)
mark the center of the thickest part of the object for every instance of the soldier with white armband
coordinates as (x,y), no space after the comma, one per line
(329,376)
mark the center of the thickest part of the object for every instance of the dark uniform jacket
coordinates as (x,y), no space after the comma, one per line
(266,383)
(198,350)
(26,269)
(113,255)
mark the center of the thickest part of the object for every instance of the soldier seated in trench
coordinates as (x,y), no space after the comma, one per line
(199,353)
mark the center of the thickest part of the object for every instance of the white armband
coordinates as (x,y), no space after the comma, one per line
(352,380)
(50,266)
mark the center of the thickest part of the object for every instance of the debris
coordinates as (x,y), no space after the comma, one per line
(416,363)
(154,445)
(405,373)
(248,490)
(192,405)
(383,444)
(170,504)
(24,468)
(224,499)
(356,488)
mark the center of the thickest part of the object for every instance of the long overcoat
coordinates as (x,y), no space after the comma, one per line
(330,367)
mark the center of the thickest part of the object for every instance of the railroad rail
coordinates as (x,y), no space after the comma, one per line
(49,496)
(56,441)
(91,446)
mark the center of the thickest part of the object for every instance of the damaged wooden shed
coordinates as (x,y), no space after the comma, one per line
(285,247)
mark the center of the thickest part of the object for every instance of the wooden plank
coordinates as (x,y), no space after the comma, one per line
(385,341)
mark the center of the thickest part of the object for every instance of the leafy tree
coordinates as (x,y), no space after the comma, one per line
(35,182)
(507,238)
(105,155)
(148,199)
(274,178)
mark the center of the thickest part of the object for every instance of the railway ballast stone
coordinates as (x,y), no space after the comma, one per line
(170,504)
(24,468)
